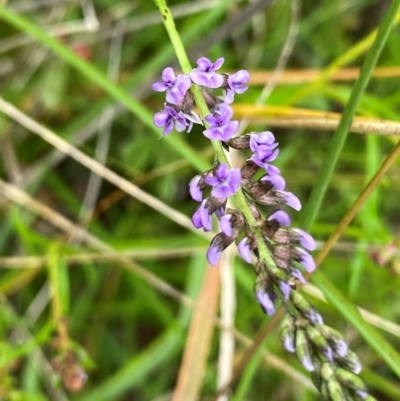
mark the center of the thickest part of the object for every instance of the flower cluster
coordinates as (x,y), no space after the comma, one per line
(319,348)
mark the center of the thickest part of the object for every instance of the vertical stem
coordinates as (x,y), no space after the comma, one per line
(239,197)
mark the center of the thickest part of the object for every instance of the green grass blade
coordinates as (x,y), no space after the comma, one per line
(313,205)
(96,76)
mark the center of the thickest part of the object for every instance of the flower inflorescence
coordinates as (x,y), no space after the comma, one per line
(319,348)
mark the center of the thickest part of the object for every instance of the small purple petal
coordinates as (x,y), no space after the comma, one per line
(271,170)
(195,191)
(168,118)
(265,301)
(308,364)
(262,138)
(341,348)
(244,250)
(307,261)
(225,224)
(328,354)
(281,217)
(218,63)
(196,219)
(297,274)
(306,240)
(176,86)
(177,92)
(285,288)
(202,218)
(276,181)
(205,74)
(288,344)
(225,181)
(159,87)
(292,200)
(213,255)
(362,393)
(205,217)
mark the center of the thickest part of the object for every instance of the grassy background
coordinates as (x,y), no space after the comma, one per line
(109,291)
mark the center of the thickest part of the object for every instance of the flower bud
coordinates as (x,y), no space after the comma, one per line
(350,381)
(240,142)
(303,351)
(287,332)
(334,339)
(249,169)
(335,390)
(350,362)
(265,294)
(326,371)
(305,308)
(319,342)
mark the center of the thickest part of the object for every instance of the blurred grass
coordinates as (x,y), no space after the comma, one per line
(132,333)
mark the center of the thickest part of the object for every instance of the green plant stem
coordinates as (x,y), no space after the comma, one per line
(314,204)
(239,197)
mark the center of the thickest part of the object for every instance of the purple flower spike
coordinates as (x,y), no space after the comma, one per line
(306,240)
(265,301)
(225,224)
(292,200)
(244,250)
(276,181)
(236,84)
(307,261)
(281,217)
(205,74)
(195,191)
(221,127)
(225,181)
(176,86)
(285,288)
(201,217)
(169,118)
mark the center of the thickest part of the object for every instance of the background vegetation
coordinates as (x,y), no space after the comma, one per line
(100,268)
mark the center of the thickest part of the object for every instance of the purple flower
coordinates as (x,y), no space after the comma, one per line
(214,254)
(265,138)
(307,260)
(205,74)
(263,155)
(235,84)
(195,190)
(306,240)
(176,86)
(281,217)
(265,301)
(285,289)
(226,225)
(244,250)
(218,244)
(169,118)
(221,127)
(276,181)
(202,218)
(291,200)
(297,274)
(225,181)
